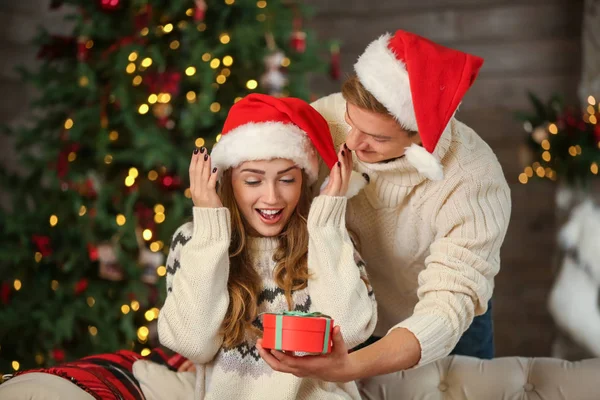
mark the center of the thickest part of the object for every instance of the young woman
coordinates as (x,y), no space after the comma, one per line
(261,243)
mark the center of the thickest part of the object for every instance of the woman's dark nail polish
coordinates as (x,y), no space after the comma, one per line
(343,153)
(367,177)
(202,149)
(214,170)
(196,150)
(206,157)
(339,164)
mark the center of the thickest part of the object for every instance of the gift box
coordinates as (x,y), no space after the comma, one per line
(297,331)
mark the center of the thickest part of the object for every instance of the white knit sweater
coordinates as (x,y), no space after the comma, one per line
(432,247)
(197,301)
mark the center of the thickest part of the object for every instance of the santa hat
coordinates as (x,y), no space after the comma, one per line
(421,83)
(262,127)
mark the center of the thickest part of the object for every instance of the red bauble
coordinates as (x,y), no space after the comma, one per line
(81,286)
(298,41)
(92,252)
(42,243)
(334,66)
(200,11)
(164,82)
(597,133)
(82,51)
(110,5)
(58,355)
(5,293)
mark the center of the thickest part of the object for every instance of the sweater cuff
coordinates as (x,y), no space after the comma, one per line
(327,211)
(211,224)
(434,335)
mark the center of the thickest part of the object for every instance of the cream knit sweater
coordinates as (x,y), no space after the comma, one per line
(432,247)
(197,301)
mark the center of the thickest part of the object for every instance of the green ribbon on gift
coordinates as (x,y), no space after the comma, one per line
(279,326)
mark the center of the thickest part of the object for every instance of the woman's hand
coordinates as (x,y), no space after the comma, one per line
(339,176)
(203,180)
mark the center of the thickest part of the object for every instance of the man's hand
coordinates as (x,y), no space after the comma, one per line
(333,367)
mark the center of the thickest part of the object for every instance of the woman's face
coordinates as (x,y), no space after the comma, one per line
(267,193)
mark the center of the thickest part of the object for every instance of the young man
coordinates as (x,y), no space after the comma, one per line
(432,219)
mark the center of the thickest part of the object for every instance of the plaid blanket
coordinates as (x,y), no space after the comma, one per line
(109,376)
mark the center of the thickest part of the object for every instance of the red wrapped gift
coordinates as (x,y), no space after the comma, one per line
(297,331)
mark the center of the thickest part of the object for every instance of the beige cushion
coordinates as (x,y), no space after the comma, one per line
(158,382)
(41,386)
(460,377)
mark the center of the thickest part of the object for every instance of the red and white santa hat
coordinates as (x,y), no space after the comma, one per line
(421,83)
(262,127)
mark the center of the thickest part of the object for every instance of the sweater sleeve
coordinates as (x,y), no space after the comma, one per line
(197,296)
(338,284)
(458,279)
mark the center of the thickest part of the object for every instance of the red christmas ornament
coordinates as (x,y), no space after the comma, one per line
(334,66)
(58,355)
(82,50)
(200,11)
(92,252)
(42,243)
(143,17)
(81,286)
(62,164)
(5,293)
(597,132)
(110,5)
(298,41)
(163,82)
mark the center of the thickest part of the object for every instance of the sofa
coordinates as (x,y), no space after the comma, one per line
(452,378)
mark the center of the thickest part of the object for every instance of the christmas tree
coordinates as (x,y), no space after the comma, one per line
(122,103)
(562,142)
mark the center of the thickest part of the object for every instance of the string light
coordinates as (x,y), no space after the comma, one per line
(132,56)
(187,193)
(174,45)
(90,301)
(129,181)
(133,172)
(168,28)
(226,72)
(206,57)
(215,107)
(147,234)
(224,38)
(261,4)
(38,256)
(190,71)
(546,156)
(251,84)
(39,358)
(84,81)
(135,305)
(144,31)
(82,211)
(72,156)
(227,61)
(161,271)
(159,208)
(529,172)
(199,143)
(152,98)
(113,136)
(286,62)
(142,334)
(137,80)
(218,137)
(108,159)
(189,12)
(16,365)
(261,17)
(540,171)
(553,129)
(591,100)
(154,247)
(221,79)
(53,220)
(152,175)
(125,309)
(236,99)
(89,44)
(214,63)
(594,168)
(201,27)
(593,119)
(68,123)
(145,352)
(523,178)
(229,2)
(143,109)
(146,62)
(591,109)
(182,25)
(149,315)
(130,68)
(121,220)
(54,285)
(190,96)
(164,98)
(93,330)
(17,285)
(546,144)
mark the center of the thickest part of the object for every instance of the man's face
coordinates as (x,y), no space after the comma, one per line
(375,137)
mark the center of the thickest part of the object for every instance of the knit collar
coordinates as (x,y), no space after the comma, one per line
(400,172)
(257,243)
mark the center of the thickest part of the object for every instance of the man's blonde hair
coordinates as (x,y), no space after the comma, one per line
(354,92)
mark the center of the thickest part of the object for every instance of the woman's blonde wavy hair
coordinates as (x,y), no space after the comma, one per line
(244,285)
